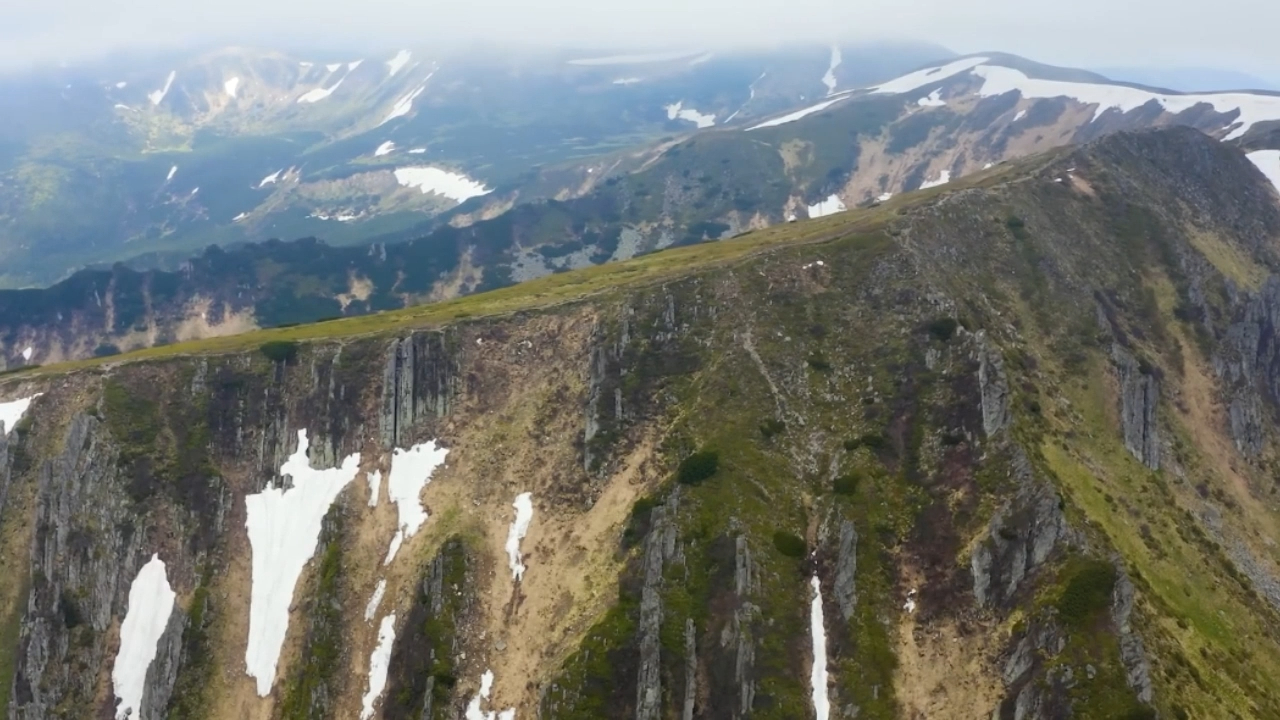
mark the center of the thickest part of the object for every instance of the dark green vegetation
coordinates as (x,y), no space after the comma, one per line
(279,351)
(1087,592)
(698,467)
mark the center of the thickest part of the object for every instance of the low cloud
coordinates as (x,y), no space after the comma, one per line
(1232,33)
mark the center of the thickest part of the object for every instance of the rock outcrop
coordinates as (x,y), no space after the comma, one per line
(993,385)
(1020,538)
(660,547)
(845,579)
(419,381)
(1139,401)
(1132,651)
(85,554)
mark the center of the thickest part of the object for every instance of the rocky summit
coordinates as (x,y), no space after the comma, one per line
(999,449)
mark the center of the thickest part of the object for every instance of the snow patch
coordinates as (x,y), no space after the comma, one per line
(679,111)
(397,63)
(318,94)
(231,86)
(519,528)
(384,149)
(305,65)
(626,81)
(417,151)
(1019,115)
(351,66)
(1252,108)
(1268,161)
(379,661)
(240,217)
(884,196)
(26,354)
(333,67)
(818,634)
(988,166)
(372,608)
(933,99)
(830,78)
(120,106)
(441,182)
(268,180)
(634,59)
(158,95)
(411,470)
(830,206)
(150,604)
(475,712)
(751,95)
(121,85)
(792,117)
(920,78)
(11,412)
(375,487)
(943,178)
(284,525)
(172,171)
(405,103)
(910,604)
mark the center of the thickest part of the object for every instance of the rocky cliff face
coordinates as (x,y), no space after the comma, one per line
(931,430)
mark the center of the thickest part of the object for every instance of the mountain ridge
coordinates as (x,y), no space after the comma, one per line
(987,435)
(856,147)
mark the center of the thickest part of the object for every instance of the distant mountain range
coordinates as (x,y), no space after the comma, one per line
(126,158)
(840,148)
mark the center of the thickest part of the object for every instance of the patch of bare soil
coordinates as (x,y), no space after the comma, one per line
(946,669)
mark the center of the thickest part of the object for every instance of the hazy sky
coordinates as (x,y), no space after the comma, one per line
(1235,34)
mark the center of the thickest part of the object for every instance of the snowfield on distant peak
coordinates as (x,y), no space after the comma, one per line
(830,78)
(158,96)
(792,117)
(679,111)
(920,78)
(933,99)
(1268,161)
(1253,108)
(441,182)
(998,80)
(231,86)
(318,94)
(385,148)
(405,103)
(397,63)
(830,206)
(943,178)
